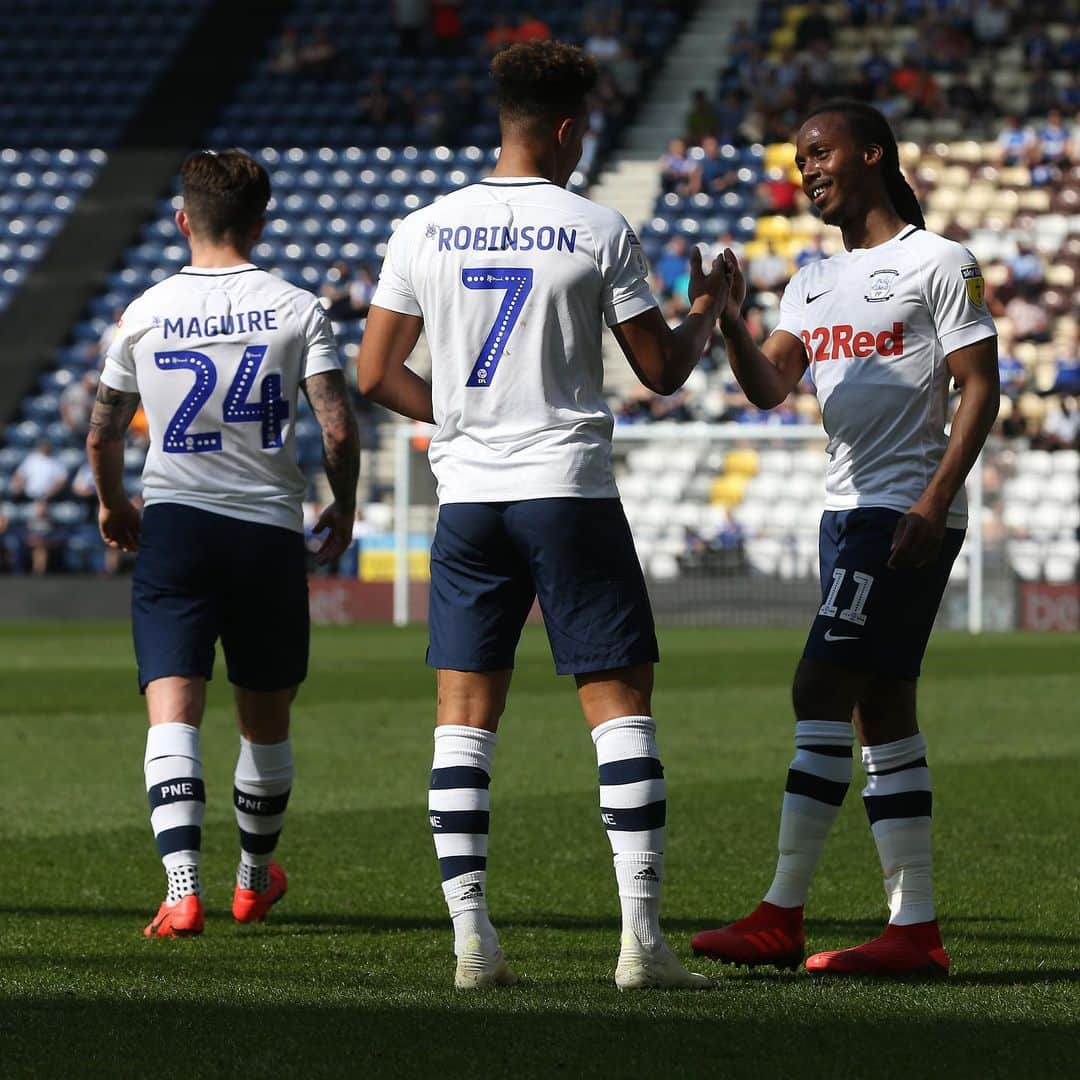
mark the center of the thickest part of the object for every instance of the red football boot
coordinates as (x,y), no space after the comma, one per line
(912,951)
(768,935)
(183,918)
(250,906)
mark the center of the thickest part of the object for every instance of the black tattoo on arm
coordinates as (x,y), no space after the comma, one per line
(112,413)
(328,396)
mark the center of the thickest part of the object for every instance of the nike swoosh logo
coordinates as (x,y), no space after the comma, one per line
(830,636)
(810,299)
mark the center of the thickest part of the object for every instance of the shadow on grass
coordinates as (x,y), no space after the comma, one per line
(497,1035)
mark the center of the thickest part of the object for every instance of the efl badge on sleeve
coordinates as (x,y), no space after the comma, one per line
(976,287)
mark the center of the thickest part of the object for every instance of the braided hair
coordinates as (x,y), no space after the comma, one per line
(870,127)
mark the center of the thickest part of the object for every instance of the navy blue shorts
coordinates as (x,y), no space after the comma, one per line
(200,576)
(872,618)
(490,560)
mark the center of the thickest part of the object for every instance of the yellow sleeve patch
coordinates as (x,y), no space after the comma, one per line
(976,286)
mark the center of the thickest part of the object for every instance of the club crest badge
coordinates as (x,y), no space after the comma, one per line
(976,286)
(882,283)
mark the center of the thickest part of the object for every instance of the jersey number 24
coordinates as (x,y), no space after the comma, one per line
(270,410)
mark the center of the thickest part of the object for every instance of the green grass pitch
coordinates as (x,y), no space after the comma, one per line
(351,974)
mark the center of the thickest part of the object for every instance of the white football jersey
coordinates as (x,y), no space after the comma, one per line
(218,357)
(514,278)
(877,324)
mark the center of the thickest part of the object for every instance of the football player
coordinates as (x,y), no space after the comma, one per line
(883,327)
(217,354)
(513,278)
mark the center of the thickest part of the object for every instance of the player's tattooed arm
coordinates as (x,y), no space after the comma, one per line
(118,519)
(328,396)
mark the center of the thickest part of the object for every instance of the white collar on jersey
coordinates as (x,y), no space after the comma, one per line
(217,271)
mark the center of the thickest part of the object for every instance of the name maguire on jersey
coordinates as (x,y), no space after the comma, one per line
(243,322)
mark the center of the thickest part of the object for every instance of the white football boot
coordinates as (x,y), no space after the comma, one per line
(657,967)
(478,970)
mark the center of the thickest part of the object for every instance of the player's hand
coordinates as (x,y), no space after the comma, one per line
(120,525)
(338,525)
(918,536)
(731,309)
(712,285)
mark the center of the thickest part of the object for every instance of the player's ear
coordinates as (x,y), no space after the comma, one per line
(566,132)
(872,154)
(182,223)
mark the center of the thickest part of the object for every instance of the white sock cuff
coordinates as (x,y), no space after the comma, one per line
(823,733)
(458,744)
(625,737)
(894,754)
(264,763)
(171,740)
(176,859)
(639,874)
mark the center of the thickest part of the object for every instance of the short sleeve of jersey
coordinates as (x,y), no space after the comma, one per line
(792,307)
(320,348)
(395,289)
(626,274)
(955,294)
(118,371)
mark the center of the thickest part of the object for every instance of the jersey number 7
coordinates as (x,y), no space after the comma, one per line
(516,283)
(270,410)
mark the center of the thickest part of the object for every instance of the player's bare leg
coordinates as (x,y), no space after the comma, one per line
(618,709)
(824,696)
(261,787)
(898,800)
(469,707)
(174,785)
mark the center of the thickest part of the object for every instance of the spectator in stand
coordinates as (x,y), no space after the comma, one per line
(432,122)
(778,193)
(531,28)
(410,22)
(39,476)
(94,357)
(499,35)
(625,70)
(1061,428)
(1038,46)
(714,174)
(602,38)
(670,269)
(700,118)
(918,87)
(813,27)
(348,294)
(9,543)
(877,69)
(813,252)
(320,56)
(1030,321)
(378,106)
(41,538)
(287,59)
(1011,371)
(447,28)
(1053,141)
(768,272)
(1067,365)
(1026,266)
(84,489)
(76,401)
(676,169)
(991,23)
(1015,142)
(729,117)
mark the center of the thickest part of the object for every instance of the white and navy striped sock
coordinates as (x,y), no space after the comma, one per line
(633,807)
(817,781)
(898,801)
(174,785)
(262,784)
(458,810)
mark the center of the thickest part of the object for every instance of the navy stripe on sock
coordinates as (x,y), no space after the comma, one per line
(904,804)
(180,789)
(631,771)
(455,865)
(459,821)
(634,818)
(815,787)
(258,843)
(919,763)
(459,776)
(827,751)
(260,805)
(182,838)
